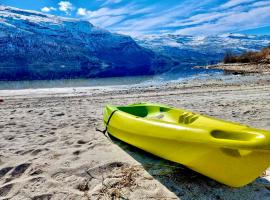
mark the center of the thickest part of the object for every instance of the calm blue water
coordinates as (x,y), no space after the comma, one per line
(114,81)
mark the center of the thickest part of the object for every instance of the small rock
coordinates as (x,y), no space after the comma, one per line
(41,113)
(76,152)
(59,114)
(82,142)
(10,137)
(23,125)
(246,112)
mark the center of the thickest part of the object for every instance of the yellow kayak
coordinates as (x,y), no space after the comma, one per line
(230,153)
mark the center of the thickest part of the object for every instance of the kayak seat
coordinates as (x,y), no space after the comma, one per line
(161,113)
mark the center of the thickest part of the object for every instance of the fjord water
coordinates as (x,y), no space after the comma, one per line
(111,81)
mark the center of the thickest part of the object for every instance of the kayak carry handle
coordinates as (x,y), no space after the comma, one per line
(240,136)
(246,138)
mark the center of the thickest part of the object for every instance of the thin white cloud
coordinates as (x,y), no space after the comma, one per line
(108,21)
(81,11)
(199,18)
(65,6)
(106,16)
(48,9)
(261,3)
(105,11)
(232,22)
(107,2)
(233,3)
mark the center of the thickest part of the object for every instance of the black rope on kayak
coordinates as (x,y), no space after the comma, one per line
(107,124)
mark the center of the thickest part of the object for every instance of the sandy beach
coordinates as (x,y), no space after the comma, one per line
(51,146)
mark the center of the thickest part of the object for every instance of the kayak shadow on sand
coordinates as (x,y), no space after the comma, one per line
(188,184)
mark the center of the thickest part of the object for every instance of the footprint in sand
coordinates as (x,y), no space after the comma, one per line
(50,140)
(5,190)
(19,170)
(15,173)
(37,151)
(76,126)
(4,171)
(42,197)
(101,170)
(9,137)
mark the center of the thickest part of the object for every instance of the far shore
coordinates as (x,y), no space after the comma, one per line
(240,68)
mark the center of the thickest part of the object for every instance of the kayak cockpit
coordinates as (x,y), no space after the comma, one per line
(161,113)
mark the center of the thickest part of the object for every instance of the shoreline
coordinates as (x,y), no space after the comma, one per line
(194,81)
(51,146)
(240,68)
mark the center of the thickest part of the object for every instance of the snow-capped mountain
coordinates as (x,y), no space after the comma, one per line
(34,45)
(202,50)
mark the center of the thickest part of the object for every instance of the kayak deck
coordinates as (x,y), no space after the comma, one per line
(228,152)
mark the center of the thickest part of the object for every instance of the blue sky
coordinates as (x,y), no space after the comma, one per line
(189,17)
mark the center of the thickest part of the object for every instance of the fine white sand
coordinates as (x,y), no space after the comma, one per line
(50,146)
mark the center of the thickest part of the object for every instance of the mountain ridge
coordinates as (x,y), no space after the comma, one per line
(202,50)
(34,45)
